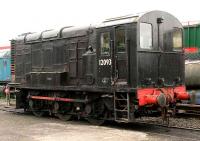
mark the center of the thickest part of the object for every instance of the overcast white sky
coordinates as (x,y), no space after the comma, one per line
(20,16)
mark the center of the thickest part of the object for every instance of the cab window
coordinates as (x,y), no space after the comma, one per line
(145,36)
(120,40)
(105,43)
(177,39)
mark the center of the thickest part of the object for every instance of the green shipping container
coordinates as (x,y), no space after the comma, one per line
(192,41)
(192,36)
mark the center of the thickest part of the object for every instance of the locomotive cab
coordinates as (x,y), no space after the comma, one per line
(160,50)
(140,51)
(144,54)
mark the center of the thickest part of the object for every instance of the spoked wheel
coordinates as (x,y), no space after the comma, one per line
(36,108)
(96,112)
(62,110)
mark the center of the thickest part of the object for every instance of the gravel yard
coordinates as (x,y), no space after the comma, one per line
(26,127)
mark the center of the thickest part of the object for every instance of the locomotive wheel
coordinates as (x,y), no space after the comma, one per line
(38,113)
(64,117)
(62,111)
(98,113)
(36,108)
(95,121)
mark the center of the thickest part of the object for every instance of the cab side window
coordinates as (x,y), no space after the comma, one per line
(105,43)
(120,40)
(146,36)
(177,39)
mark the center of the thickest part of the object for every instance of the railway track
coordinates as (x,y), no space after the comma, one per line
(174,123)
(190,124)
(174,127)
(170,127)
(152,132)
(170,133)
(151,129)
(161,131)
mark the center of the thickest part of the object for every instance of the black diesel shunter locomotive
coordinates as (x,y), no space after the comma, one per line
(122,69)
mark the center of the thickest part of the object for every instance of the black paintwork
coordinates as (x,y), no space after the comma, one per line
(69,59)
(162,62)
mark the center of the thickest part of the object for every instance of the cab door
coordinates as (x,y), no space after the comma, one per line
(120,56)
(105,43)
(112,56)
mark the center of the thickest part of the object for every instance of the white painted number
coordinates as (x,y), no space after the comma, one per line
(104,62)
